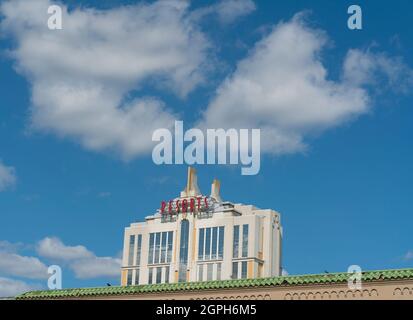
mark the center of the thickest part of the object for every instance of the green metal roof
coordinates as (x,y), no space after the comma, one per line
(311,279)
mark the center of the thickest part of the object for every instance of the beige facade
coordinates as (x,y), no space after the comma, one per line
(202,238)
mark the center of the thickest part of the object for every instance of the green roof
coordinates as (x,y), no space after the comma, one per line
(310,279)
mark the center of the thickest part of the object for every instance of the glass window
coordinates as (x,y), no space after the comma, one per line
(137,277)
(208,243)
(214,242)
(166,274)
(138,250)
(159,275)
(183,250)
(163,247)
(221,243)
(209,271)
(170,240)
(235,247)
(157,247)
(218,271)
(129,280)
(243,269)
(235,270)
(245,240)
(151,248)
(201,244)
(131,249)
(150,278)
(201,272)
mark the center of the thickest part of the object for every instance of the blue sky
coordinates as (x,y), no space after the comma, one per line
(342,186)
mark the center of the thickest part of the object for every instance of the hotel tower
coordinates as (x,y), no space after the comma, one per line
(195,237)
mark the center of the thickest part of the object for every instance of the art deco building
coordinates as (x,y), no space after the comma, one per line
(196,237)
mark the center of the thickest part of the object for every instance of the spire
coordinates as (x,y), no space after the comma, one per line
(215,188)
(191,189)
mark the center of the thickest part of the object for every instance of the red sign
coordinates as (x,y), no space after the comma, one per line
(191,205)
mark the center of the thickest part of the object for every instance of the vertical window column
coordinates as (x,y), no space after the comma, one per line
(131,250)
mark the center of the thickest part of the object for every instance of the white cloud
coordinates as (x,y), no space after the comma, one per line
(227,11)
(81,75)
(14,264)
(55,249)
(84,263)
(283,88)
(7,177)
(11,287)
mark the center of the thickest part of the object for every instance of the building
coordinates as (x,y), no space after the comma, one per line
(196,237)
(376,285)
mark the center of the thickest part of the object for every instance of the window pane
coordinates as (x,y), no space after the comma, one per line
(151,247)
(166,274)
(214,242)
(183,250)
(244,269)
(235,270)
(207,243)
(163,247)
(138,250)
(170,240)
(157,247)
(218,271)
(209,271)
(245,240)
(158,275)
(221,243)
(150,278)
(129,280)
(201,244)
(131,249)
(137,277)
(235,242)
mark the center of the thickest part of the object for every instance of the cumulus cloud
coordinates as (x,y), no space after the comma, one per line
(81,75)
(283,88)
(7,177)
(14,264)
(227,11)
(84,263)
(11,287)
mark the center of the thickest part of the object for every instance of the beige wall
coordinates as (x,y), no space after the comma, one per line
(387,290)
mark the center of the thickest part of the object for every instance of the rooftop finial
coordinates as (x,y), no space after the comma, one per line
(191,189)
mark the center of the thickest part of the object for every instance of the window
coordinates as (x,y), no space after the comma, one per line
(138,250)
(243,269)
(151,247)
(150,279)
(157,246)
(207,243)
(235,270)
(129,280)
(183,250)
(159,275)
(221,243)
(245,240)
(170,240)
(201,244)
(163,247)
(201,272)
(166,274)
(211,243)
(218,271)
(214,242)
(235,246)
(160,247)
(137,277)
(210,270)
(131,249)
